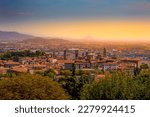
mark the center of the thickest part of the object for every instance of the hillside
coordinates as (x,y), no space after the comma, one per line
(5,35)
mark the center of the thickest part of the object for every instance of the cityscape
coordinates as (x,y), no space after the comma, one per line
(62,55)
(74,50)
(62,60)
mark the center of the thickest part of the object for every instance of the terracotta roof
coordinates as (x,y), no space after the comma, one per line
(130,59)
(1,62)
(20,69)
(2,69)
(111,63)
(51,59)
(99,77)
(12,62)
(65,61)
(39,65)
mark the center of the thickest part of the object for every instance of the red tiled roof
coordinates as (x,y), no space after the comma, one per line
(20,69)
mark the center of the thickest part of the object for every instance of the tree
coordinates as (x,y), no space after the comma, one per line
(31,87)
(66,73)
(144,66)
(16,58)
(16,55)
(137,71)
(144,80)
(71,86)
(50,73)
(74,85)
(119,86)
(74,70)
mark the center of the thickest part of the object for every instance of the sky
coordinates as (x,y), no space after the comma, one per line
(78,19)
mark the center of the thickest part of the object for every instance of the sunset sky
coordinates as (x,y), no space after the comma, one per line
(77,19)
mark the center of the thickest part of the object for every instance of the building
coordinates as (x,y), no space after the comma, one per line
(19,69)
(65,54)
(131,61)
(145,62)
(104,53)
(69,65)
(1,63)
(76,54)
(3,70)
(10,64)
(110,66)
(80,64)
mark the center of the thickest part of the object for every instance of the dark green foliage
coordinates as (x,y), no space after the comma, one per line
(50,73)
(31,87)
(144,66)
(137,71)
(8,75)
(16,58)
(74,85)
(119,86)
(144,81)
(16,55)
(82,72)
(74,70)
(65,73)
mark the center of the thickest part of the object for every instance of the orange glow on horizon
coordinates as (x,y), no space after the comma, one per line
(111,30)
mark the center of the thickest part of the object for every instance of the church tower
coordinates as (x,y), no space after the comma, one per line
(104,53)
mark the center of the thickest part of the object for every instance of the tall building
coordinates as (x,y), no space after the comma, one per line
(104,53)
(65,54)
(99,57)
(76,54)
(54,54)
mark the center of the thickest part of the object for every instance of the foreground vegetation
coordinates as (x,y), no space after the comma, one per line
(115,86)
(119,86)
(31,87)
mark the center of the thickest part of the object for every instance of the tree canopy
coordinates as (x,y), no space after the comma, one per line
(119,86)
(16,55)
(31,87)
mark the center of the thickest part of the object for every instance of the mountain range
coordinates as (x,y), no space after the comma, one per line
(6,35)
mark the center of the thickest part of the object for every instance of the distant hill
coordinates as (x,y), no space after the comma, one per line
(40,40)
(51,43)
(5,35)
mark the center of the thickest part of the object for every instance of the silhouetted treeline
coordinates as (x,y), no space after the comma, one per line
(18,54)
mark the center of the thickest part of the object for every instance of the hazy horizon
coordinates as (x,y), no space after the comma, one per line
(100,20)
(88,39)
